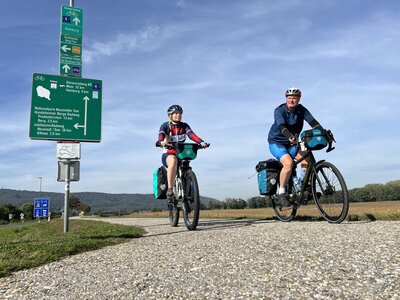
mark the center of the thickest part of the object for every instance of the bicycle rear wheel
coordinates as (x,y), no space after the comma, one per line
(330,192)
(191,203)
(285,214)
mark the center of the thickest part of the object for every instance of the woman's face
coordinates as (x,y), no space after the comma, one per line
(176,117)
(292,102)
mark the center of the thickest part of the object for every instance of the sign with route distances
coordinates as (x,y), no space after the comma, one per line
(65,108)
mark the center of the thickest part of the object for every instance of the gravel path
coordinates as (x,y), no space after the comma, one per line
(225,259)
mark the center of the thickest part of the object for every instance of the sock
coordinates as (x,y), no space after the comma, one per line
(282,190)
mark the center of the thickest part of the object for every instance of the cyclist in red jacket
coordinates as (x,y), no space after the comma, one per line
(171,132)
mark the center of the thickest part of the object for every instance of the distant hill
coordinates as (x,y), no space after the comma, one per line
(99,202)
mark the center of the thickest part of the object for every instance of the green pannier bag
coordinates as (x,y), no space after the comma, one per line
(160,183)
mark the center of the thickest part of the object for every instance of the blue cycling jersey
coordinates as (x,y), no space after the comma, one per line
(293,120)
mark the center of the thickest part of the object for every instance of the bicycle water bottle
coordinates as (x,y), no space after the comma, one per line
(297,183)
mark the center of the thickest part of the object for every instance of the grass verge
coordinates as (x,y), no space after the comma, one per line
(358,211)
(36,244)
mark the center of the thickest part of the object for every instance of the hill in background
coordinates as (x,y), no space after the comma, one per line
(99,202)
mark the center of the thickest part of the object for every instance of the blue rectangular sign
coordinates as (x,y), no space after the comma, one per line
(41,207)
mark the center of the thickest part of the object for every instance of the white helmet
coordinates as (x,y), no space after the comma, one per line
(293,91)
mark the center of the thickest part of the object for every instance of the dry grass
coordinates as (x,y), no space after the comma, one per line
(387,210)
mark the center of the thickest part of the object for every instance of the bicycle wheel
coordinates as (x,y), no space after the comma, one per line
(173,214)
(330,192)
(285,214)
(191,203)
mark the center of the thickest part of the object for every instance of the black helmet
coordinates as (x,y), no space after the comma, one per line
(174,108)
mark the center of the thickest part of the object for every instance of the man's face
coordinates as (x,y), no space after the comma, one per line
(292,102)
(176,117)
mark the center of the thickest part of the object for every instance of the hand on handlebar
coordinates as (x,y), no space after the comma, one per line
(293,139)
(204,145)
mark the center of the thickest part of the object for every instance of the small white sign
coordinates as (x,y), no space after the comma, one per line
(68,150)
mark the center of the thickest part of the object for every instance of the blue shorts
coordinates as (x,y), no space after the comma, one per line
(278,151)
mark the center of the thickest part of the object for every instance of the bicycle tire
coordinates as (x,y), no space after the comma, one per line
(284,214)
(173,215)
(330,192)
(191,203)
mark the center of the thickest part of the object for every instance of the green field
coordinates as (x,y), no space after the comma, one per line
(35,244)
(358,211)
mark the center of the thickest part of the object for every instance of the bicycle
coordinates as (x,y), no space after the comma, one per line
(322,182)
(186,189)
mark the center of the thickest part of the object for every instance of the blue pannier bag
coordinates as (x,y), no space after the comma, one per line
(314,139)
(267,175)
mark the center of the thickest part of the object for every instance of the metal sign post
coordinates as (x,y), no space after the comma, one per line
(66,197)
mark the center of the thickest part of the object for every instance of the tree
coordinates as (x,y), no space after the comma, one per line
(76,205)
(27,210)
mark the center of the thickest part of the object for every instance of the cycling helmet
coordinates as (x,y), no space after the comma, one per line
(174,108)
(293,91)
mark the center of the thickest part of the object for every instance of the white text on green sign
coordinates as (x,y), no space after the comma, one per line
(71,20)
(65,108)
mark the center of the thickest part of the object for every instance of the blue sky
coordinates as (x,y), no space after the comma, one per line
(227,63)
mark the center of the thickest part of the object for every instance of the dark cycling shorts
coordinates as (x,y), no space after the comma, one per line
(164,159)
(278,151)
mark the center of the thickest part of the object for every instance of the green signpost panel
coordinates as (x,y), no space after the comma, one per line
(70,65)
(66,108)
(71,20)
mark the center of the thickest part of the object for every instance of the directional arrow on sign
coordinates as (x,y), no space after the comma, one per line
(86,99)
(66,68)
(76,21)
(65,48)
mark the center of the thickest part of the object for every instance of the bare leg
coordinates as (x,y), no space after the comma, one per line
(287,163)
(172,163)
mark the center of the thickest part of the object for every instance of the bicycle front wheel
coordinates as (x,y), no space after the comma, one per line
(330,192)
(191,203)
(285,214)
(173,215)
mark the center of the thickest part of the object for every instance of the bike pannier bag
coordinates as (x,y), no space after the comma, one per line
(314,139)
(267,175)
(160,183)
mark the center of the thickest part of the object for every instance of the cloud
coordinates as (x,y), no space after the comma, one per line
(147,39)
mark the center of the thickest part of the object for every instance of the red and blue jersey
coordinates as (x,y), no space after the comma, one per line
(176,132)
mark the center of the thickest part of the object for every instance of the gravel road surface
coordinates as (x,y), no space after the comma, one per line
(227,259)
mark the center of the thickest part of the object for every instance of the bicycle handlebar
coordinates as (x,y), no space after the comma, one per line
(172,146)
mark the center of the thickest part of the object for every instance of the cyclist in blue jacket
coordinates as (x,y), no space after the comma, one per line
(282,138)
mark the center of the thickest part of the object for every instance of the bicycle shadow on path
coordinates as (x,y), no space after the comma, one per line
(204,225)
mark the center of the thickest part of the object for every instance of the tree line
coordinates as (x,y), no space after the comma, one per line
(8,210)
(369,193)
(389,191)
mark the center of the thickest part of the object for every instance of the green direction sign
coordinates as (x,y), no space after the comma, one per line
(71,45)
(70,65)
(65,108)
(71,20)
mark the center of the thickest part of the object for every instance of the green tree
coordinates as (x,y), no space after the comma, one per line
(27,209)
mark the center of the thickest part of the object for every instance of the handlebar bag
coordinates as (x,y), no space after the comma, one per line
(314,139)
(160,183)
(186,151)
(267,176)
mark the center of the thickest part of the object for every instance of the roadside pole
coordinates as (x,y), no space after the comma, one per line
(67,108)
(66,196)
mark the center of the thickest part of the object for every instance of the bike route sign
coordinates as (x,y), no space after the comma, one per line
(65,108)
(71,41)
(41,207)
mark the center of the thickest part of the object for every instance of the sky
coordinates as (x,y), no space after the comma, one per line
(228,64)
